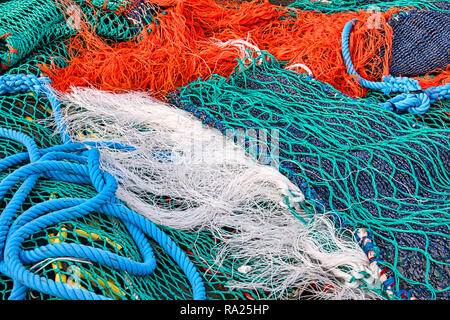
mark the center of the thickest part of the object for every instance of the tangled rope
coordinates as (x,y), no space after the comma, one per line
(412,99)
(76,163)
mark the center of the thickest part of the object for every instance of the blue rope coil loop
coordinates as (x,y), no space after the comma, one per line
(76,163)
(413,98)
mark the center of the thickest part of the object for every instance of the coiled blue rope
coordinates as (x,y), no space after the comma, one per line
(76,163)
(413,98)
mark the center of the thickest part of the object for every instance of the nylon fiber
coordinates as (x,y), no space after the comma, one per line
(367,167)
(224,150)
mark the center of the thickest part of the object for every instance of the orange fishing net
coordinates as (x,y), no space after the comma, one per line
(194,39)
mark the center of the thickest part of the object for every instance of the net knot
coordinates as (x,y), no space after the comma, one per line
(413,98)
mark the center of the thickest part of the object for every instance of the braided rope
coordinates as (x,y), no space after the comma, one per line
(413,98)
(364,238)
(70,162)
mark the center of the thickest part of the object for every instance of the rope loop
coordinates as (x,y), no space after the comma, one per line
(412,98)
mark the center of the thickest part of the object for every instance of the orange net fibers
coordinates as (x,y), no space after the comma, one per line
(198,38)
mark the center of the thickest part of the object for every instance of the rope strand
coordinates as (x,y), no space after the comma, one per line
(70,162)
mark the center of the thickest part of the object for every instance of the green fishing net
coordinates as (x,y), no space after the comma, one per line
(402,244)
(112,5)
(365,166)
(30,25)
(24,113)
(354,5)
(438,116)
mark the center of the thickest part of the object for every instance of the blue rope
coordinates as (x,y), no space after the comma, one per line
(413,98)
(70,162)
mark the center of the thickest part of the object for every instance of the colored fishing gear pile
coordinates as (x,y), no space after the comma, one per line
(181,149)
(364,165)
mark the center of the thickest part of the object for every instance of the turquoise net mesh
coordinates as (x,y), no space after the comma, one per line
(367,167)
(29,25)
(24,112)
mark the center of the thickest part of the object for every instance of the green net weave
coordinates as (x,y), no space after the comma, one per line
(367,167)
(30,25)
(354,5)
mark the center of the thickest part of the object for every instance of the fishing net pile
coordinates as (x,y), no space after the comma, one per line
(365,166)
(181,149)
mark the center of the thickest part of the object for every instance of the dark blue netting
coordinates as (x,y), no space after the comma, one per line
(368,166)
(421,42)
